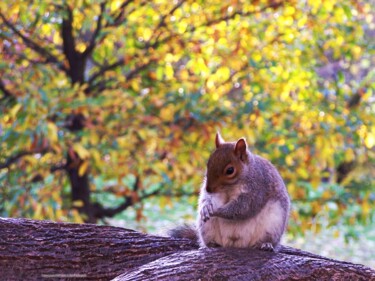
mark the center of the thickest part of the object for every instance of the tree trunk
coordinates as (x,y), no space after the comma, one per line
(41,250)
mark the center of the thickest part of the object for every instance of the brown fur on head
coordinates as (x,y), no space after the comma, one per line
(226,164)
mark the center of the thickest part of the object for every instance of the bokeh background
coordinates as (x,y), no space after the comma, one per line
(109,110)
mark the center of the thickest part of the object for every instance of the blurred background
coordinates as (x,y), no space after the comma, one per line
(109,110)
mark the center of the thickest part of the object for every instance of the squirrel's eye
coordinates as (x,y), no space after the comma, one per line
(229,171)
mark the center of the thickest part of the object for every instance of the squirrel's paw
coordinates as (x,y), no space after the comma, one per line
(207,211)
(266,247)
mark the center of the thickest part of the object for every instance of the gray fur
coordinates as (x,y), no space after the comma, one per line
(226,204)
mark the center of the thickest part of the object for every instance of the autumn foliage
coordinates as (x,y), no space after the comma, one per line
(118,101)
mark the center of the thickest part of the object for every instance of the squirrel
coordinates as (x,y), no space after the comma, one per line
(243,201)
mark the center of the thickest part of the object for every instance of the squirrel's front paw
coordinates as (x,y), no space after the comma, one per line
(207,211)
(266,247)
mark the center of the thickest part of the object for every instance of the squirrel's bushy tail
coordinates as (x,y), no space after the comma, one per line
(184,231)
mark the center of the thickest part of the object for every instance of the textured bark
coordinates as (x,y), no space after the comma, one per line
(40,250)
(244,264)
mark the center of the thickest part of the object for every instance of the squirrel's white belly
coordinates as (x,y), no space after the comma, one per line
(244,233)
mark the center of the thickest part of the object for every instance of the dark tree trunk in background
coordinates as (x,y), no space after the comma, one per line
(80,185)
(41,250)
(80,188)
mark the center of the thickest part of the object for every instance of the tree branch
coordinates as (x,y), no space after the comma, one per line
(120,16)
(130,75)
(158,42)
(67,35)
(117,21)
(8,162)
(162,23)
(41,250)
(95,35)
(121,62)
(170,13)
(273,5)
(58,167)
(192,29)
(101,212)
(34,46)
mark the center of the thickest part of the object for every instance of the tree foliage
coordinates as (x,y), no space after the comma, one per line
(119,101)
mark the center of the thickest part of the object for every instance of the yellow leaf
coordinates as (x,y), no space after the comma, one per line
(78,203)
(81,47)
(256,56)
(115,5)
(223,73)
(50,214)
(96,156)
(59,214)
(316,207)
(291,188)
(166,113)
(13,112)
(289,10)
(315,181)
(135,85)
(184,74)
(45,29)
(77,217)
(38,212)
(83,168)
(81,151)
(366,208)
(94,138)
(169,71)
(370,140)
(289,160)
(147,33)
(52,132)
(326,194)
(4,6)
(165,201)
(182,26)
(349,155)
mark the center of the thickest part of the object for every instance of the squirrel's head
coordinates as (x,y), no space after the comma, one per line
(226,165)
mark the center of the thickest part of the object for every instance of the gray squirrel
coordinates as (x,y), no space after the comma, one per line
(243,201)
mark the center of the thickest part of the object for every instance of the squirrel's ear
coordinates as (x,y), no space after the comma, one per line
(218,140)
(241,147)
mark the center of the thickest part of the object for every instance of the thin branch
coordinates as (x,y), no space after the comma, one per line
(102,85)
(104,69)
(121,62)
(102,212)
(34,46)
(170,13)
(192,29)
(58,167)
(24,57)
(162,23)
(95,35)
(8,162)
(118,20)
(119,17)
(130,75)
(239,13)
(158,42)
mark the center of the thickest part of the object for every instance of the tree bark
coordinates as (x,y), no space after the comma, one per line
(41,250)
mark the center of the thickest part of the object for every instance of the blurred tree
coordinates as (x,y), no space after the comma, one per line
(119,100)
